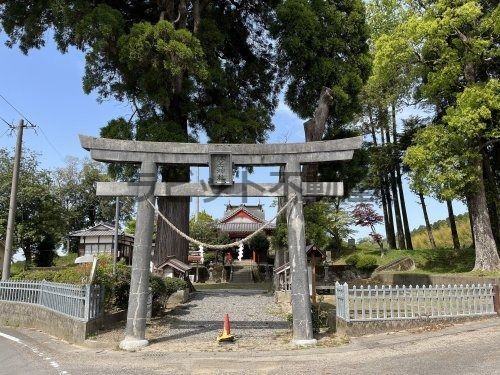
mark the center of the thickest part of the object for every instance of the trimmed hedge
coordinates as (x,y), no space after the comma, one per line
(367,262)
(362,262)
(352,260)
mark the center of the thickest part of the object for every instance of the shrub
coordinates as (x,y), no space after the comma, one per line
(362,262)
(173,284)
(352,260)
(319,318)
(367,262)
(209,257)
(116,287)
(34,275)
(158,291)
(162,288)
(72,275)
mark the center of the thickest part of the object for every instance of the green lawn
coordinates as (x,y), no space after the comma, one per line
(430,261)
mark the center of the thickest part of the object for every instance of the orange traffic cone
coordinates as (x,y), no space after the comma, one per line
(226,332)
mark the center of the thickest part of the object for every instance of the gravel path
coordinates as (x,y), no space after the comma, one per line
(253,315)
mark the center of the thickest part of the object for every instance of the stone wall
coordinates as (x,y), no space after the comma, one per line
(32,316)
(16,314)
(104,321)
(402,264)
(408,278)
(380,326)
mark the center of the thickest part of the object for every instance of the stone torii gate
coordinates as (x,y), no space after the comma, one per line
(221,159)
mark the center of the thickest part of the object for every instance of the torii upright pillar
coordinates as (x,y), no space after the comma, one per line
(301,303)
(139,284)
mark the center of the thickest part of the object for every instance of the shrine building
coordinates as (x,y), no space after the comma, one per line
(239,221)
(99,239)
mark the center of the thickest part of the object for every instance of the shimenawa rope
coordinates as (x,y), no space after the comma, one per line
(219,247)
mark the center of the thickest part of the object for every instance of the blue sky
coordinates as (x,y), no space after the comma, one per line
(47,87)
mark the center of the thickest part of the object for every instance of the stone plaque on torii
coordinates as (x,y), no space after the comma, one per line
(220,158)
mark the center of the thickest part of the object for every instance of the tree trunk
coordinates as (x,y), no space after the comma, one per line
(28,253)
(392,239)
(453,225)
(487,258)
(399,224)
(407,233)
(386,216)
(427,223)
(168,242)
(381,186)
(492,197)
(314,129)
(409,243)
(397,208)
(175,209)
(469,207)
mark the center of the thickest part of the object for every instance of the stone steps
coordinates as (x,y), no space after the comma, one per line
(242,275)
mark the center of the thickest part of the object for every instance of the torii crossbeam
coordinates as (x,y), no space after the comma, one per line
(221,158)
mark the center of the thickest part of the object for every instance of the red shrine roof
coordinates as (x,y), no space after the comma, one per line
(254,213)
(243,219)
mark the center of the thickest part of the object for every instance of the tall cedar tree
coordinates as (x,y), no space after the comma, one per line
(203,66)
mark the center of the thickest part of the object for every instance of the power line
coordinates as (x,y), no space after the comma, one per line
(35,127)
(32,125)
(5,132)
(18,111)
(49,142)
(6,122)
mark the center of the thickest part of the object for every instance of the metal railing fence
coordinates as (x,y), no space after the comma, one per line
(83,302)
(408,302)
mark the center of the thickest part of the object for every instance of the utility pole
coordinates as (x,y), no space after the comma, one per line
(115,247)
(11,221)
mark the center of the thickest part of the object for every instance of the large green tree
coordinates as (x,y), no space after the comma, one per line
(204,228)
(199,66)
(76,187)
(447,159)
(39,215)
(384,94)
(446,52)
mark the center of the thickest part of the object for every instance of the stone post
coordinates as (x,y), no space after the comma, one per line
(139,284)
(301,303)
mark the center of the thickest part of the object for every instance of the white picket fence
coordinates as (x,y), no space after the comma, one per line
(83,302)
(407,302)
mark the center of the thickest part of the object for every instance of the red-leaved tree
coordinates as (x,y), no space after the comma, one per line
(366,216)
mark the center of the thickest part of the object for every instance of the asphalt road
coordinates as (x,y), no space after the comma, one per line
(18,357)
(471,348)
